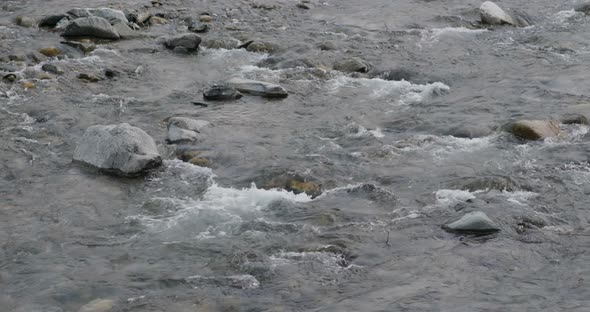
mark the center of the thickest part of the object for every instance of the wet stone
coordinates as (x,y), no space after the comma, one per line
(574,119)
(17,57)
(221,43)
(583,7)
(9,78)
(262,47)
(181,129)
(190,42)
(85,47)
(92,26)
(261,88)
(205,18)
(156,20)
(120,149)
(353,64)
(197,27)
(534,129)
(492,14)
(98,305)
(221,92)
(36,57)
(473,223)
(89,77)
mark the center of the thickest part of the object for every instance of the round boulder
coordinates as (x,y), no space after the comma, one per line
(119,149)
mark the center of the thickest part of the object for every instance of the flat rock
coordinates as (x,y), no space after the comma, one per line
(351,65)
(91,26)
(492,14)
(261,88)
(534,129)
(189,42)
(475,222)
(181,129)
(221,92)
(120,149)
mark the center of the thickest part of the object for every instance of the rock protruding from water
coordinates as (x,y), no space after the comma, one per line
(261,88)
(98,305)
(111,15)
(583,7)
(52,20)
(574,119)
(181,129)
(534,129)
(188,42)
(492,14)
(475,222)
(351,65)
(91,26)
(221,92)
(120,149)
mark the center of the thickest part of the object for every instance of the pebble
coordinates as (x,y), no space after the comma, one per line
(25,21)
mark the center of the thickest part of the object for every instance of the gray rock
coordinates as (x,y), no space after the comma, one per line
(125,32)
(534,129)
(189,42)
(327,46)
(221,92)
(120,149)
(492,14)
(351,65)
(111,15)
(52,68)
(52,20)
(197,27)
(37,57)
(98,305)
(25,21)
(91,26)
(181,129)
(79,12)
(474,222)
(261,88)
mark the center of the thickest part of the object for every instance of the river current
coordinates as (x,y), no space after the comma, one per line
(396,157)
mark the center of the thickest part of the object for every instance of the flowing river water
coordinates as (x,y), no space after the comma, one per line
(396,158)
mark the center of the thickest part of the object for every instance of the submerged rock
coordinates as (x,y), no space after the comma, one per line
(85,47)
(261,88)
(181,129)
(52,68)
(89,77)
(120,149)
(98,305)
(50,51)
(189,42)
(473,223)
(351,65)
(25,21)
(91,26)
(534,129)
(574,119)
(221,92)
(221,43)
(262,47)
(492,14)
(296,184)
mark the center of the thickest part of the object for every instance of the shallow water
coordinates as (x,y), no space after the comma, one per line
(187,238)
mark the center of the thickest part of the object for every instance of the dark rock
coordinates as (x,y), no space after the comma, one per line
(85,47)
(327,46)
(221,92)
(577,119)
(52,20)
(302,6)
(89,77)
(473,223)
(9,78)
(189,42)
(353,64)
(469,132)
(583,7)
(181,129)
(110,73)
(52,68)
(261,88)
(91,26)
(534,129)
(120,149)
